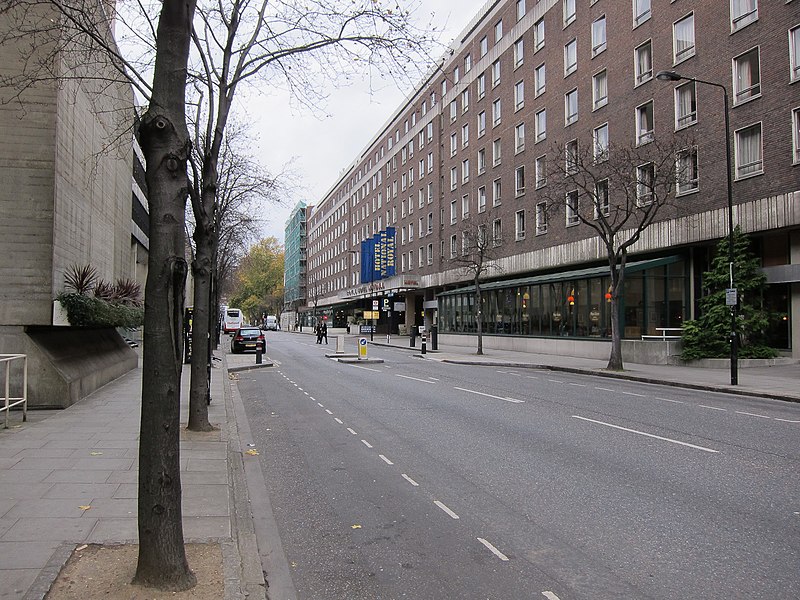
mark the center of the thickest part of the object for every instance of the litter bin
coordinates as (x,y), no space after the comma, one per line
(434,337)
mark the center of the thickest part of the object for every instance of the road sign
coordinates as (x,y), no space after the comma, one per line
(375,304)
(362,348)
(731,297)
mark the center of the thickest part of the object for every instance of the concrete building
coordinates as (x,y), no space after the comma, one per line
(294,270)
(528,80)
(66,159)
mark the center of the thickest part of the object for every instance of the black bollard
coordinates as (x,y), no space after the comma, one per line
(424,343)
(258,355)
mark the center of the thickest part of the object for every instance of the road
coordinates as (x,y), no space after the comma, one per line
(418,479)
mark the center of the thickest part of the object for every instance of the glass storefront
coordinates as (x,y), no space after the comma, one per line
(573,304)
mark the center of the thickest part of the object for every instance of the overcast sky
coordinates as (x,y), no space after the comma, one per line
(320,144)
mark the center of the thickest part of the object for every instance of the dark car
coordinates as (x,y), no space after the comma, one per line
(248,338)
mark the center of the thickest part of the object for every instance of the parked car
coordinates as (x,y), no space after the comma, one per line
(248,338)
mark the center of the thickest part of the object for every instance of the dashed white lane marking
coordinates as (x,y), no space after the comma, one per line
(320,405)
(634,394)
(328,411)
(414,378)
(550,596)
(603,389)
(306,393)
(514,400)
(493,550)
(740,412)
(786,420)
(368,369)
(433,378)
(301,389)
(338,420)
(312,398)
(366,443)
(445,509)
(712,407)
(668,400)
(555,381)
(650,435)
(409,480)
(351,431)
(578,384)
(384,459)
(531,377)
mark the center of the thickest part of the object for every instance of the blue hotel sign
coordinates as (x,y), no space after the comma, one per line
(378,256)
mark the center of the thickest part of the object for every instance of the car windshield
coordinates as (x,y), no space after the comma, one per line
(249,331)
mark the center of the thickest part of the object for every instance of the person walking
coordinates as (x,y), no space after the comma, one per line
(318,331)
(323,332)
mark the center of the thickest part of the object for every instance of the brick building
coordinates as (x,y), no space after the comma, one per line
(524,83)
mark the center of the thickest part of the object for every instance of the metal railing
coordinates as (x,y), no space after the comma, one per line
(10,401)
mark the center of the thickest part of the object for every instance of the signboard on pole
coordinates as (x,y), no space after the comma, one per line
(731,297)
(362,348)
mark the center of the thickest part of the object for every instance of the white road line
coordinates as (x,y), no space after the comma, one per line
(650,435)
(514,400)
(292,382)
(306,393)
(320,405)
(414,378)
(494,550)
(668,400)
(351,431)
(531,377)
(338,420)
(786,420)
(603,389)
(578,384)
(301,389)
(433,378)
(409,480)
(712,407)
(367,369)
(739,412)
(328,411)
(633,394)
(555,381)
(312,398)
(550,596)
(366,443)
(445,509)
(384,459)
(514,374)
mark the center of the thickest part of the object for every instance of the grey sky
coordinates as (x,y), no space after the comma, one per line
(321,145)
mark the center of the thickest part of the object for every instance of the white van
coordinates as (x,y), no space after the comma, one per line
(233,320)
(271,323)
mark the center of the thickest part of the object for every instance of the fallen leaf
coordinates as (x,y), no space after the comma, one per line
(96,453)
(85,507)
(355,526)
(79,548)
(252,452)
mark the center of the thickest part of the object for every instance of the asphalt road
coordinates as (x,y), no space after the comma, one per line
(423,480)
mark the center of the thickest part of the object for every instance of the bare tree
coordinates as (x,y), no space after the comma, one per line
(615,192)
(474,250)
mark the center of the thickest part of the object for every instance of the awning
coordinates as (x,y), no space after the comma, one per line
(630,267)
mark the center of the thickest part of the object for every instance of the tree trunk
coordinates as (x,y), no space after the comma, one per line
(478,319)
(165,142)
(615,360)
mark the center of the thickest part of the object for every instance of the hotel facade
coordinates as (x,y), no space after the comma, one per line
(524,83)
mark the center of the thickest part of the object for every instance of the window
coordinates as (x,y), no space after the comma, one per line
(641,11)
(538,35)
(540,166)
(429,131)
(520,9)
(540,126)
(497,232)
(424,107)
(571,157)
(519,220)
(481,85)
(598,35)
(519,138)
(444,87)
(796,136)
(519,180)
(453,178)
(430,222)
(464,207)
(453,246)
(430,162)
(495,152)
(749,153)
(410,260)
(571,203)
(541,218)
(410,232)
(496,73)
(484,46)
(465,101)
(519,95)
(465,170)
(481,161)
(496,112)
(601,203)
(683,39)
(600,139)
(743,12)
(465,135)
(481,199)
(519,54)
(644,123)
(685,105)
(497,189)
(453,143)
(643,63)
(645,178)
(794,54)
(746,77)
(498,31)
(687,180)
(421,256)
(453,111)
(569,11)
(453,212)
(570,107)
(467,63)
(570,57)
(539,80)
(456,74)
(430,254)
(481,123)
(599,90)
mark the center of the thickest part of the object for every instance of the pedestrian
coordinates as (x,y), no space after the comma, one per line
(318,331)
(324,332)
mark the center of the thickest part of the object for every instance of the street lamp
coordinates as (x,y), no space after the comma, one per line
(734,339)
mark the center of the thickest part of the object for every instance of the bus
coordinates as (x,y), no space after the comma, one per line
(233,320)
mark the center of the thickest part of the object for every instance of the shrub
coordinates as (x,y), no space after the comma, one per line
(88,311)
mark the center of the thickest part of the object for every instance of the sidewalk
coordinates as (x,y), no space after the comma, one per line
(60,462)
(781,382)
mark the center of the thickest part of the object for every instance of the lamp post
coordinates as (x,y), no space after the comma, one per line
(734,338)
